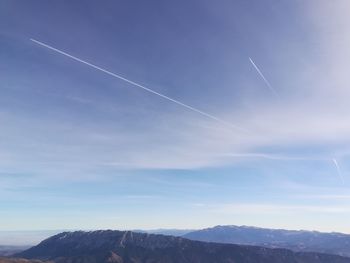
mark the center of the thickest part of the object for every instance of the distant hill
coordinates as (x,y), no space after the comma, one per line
(10,250)
(129,247)
(330,243)
(25,238)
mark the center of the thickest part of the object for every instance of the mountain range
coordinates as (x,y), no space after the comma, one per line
(130,247)
(306,241)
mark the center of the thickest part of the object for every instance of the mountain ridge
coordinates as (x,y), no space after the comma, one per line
(296,240)
(128,247)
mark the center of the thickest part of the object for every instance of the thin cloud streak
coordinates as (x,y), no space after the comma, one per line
(338,169)
(337,197)
(274,157)
(140,86)
(263,77)
(276,209)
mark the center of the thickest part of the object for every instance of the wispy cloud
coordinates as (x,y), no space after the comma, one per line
(260,208)
(276,156)
(331,197)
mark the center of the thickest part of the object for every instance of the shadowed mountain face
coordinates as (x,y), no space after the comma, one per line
(128,247)
(330,243)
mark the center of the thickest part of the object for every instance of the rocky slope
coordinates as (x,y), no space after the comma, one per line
(129,247)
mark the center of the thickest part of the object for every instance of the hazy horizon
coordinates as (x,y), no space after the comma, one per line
(33,237)
(174,114)
(121,228)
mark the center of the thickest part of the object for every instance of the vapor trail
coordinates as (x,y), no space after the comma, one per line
(140,86)
(263,77)
(338,169)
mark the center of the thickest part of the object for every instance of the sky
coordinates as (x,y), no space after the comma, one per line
(82,149)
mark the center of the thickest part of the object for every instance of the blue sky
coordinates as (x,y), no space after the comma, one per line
(80,149)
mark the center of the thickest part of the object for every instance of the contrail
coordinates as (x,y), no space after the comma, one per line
(338,169)
(263,77)
(140,86)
